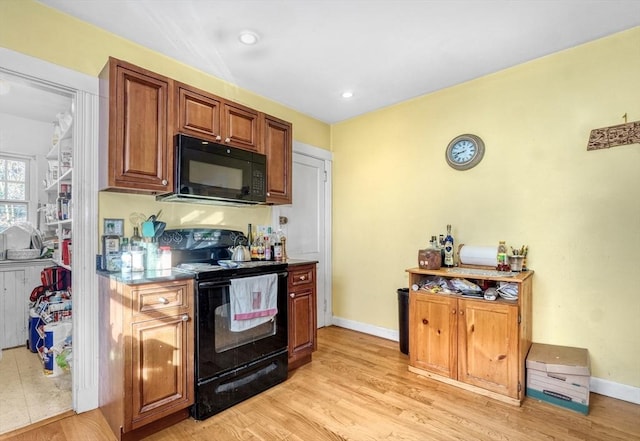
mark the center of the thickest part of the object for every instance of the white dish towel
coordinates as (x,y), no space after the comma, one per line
(252,301)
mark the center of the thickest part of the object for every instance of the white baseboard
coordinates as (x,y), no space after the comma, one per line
(597,385)
(615,390)
(365,328)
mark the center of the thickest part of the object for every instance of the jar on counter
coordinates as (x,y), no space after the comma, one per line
(137,259)
(165,258)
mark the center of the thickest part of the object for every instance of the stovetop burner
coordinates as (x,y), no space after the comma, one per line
(206,252)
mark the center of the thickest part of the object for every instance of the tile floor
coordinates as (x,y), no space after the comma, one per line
(26,394)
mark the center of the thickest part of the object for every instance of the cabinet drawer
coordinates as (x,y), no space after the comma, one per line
(301,276)
(150,298)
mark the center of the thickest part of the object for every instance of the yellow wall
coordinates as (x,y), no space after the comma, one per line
(578,211)
(180,215)
(36,30)
(39,31)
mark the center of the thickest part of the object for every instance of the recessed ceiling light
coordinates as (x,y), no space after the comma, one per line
(347,94)
(248,37)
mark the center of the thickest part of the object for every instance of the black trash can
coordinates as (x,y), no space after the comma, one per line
(403,319)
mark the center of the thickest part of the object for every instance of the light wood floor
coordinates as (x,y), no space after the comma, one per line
(358,388)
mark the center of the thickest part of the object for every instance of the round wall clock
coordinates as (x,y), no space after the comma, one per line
(464,152)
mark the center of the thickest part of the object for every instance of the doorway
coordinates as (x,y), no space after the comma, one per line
(81,91)
(306,223)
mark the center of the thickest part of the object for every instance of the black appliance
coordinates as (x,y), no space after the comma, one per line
(214,173)
(229,366)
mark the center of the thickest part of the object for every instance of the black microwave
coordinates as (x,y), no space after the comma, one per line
(209,172)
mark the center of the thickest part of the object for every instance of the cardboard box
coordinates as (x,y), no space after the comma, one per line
(559,375)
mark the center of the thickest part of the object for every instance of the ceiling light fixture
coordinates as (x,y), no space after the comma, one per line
(347,94)
(5,87)
(248,37)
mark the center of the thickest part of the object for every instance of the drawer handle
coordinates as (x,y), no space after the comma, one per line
(185,318)
(425,321)
(163,300)
(292,295)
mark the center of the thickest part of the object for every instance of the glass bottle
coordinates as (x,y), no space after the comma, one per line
(249,235)
(448,248)
(502,257)
(135,240)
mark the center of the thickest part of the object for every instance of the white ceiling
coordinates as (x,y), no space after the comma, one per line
(385,51)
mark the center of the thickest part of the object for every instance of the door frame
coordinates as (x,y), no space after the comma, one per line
(327,157)
(85,90)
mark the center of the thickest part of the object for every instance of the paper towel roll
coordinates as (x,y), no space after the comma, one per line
(474,255)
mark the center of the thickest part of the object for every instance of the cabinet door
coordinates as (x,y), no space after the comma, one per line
(240,127)
(198,114)
(161,368)
(140,145)
(433,344)
(278,148)
(301,321)
(488,346)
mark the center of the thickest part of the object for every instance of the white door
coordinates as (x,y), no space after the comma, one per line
(306,222)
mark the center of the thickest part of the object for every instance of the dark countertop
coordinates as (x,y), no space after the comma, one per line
(294,262)
(138,278)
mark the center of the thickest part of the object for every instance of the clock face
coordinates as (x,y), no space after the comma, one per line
(465,152)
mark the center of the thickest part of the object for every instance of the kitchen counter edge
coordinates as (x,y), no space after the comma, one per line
(138,278)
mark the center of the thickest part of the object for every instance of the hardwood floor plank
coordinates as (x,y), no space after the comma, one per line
(358,388)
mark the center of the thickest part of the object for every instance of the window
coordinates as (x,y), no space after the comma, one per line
(14,190)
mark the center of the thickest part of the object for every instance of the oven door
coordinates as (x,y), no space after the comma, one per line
(219,349)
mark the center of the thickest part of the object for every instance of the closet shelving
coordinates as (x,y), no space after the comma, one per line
(59,191)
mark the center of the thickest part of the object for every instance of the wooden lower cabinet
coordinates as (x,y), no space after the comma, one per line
(302,314)
(146,355)
(477,344)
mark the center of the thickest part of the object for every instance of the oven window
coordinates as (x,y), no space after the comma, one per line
(212,175)
(225,339)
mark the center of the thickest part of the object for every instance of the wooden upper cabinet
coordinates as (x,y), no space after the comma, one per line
(240,126)
(207,116)
(137,116)
(278,148)
(198,113)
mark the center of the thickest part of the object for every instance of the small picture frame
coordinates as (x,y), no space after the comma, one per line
(113,227)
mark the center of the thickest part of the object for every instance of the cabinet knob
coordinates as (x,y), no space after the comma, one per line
(292,295)
(165,182)
(163,300)
(303,277)
(425,321)
(461,312)
(453,311)
(218,137)
(185,318)
(227,140)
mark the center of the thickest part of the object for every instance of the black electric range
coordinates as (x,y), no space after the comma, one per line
(231,365)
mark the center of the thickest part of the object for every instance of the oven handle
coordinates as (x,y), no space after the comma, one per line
(227,281)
